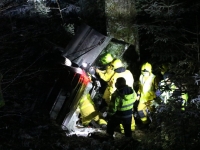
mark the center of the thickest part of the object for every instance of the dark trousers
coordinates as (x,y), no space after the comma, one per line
(102,105)
(114,121)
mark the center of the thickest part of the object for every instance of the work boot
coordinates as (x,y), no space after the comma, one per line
(102,106)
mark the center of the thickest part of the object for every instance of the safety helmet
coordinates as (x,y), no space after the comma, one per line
(146,67)
(168,75)
(107,58)
(117,64)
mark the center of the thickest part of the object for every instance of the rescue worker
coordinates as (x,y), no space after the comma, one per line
(2,102)
(88,112)
(105,75)
(108,72)
(167,90)
(119,71)
(146,91)
(120,108)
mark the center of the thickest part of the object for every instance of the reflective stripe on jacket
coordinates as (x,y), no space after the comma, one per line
(147,88)
(122,104)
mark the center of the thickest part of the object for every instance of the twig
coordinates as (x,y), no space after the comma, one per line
(59,10)
(10,115)
(22,72)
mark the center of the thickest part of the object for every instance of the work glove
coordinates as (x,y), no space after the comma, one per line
(97,70)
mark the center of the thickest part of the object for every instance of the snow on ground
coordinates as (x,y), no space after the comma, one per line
(87,131)
(79,130)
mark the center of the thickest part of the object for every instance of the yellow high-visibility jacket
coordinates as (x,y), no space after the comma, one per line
(147,88)
(127,75)
(106,74)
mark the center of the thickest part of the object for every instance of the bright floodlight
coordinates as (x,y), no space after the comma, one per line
(68,62)
(84,65)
